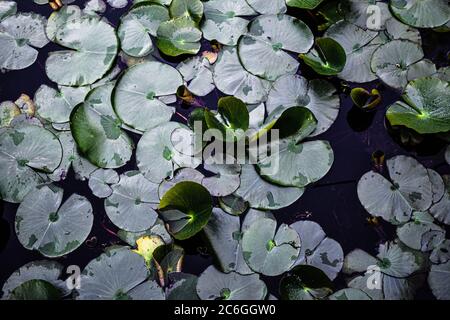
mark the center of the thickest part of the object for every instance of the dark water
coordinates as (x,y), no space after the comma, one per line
(333,202)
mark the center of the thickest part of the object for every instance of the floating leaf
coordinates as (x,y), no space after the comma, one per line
(43,224)
(326,58)
(225,180)
(20,34)
(304,4)
(137,26)
(215,285)
(319,96)
(305,283)
(441,254)
(158,229)
(97,130)
(181,286)
(182,174)
(421,14)
(263,50)
(187,8)
(441,209)
(92,46)
(7,8)
(23,149)
(225,22)
(178,36)
(112,275)
(186,208)
(268,7)
(364,99)
(138,93)
(35,290)
(317,249)
(349,294)
(408,189)
(270,251)
(8,111)
(147,245)
(425,109)
(133,201)
(231,78)
(197,73)
(233,204)
(438,280)
(100,182)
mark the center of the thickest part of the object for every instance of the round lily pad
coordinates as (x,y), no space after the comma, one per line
(8,111)
(178,36)
(187,8)
(304,4)
(182,174)
(262,50)
(7,8)
(421,14)
(100,182)
(233,204)
(270,251)
(441,209)
(197,73)
(225,21)
(319,96)
(186,208)
(157,158)
(182,286)
(97,130)
(225,180)
(158,229)
(136,98)
(366,14)
(137,26)
(231,78)
(113,275)
(317,249)
(35,290)
(305,283)
(23,149)
(268,7)
(261,194)
(215,285)
(349,294)
(133,201)
(425,109)
(408,189)
(438,279)
(43,224)
(326,58)
(92,46)
(441,254)
(20,34)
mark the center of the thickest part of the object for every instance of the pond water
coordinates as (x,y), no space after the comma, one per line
(333,202)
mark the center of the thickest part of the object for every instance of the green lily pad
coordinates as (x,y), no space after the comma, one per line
(20,34)
(192,9)
(137,26)
(8,111)
(408,189)
(270,251)
(426,108)
(43,224)
(23,149)
(137,96)
(304,4)
(92,46)
(97,130)
(35,290)
(326,58)
(133,201)
(225,22)
(113,275)
(262,51)
(157,156)
(231,78)
(268,7)
(178,36)
(319,96)
(421,14)
(215,285)
(364,99)
(305,283)
(186,208)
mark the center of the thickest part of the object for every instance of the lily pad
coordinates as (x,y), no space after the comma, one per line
(100,182)
(231,78)
(441,209)
(158,229)
(319,96)
(20,34)
(7,8)
(23,149)
(8,111)
(326,58)
(421,14)
(441,254)
(438,279)
(92,46)
(178,36)
(270,251)
(181,286)
(364,99)
(349,294)
(186,208)
(113,275)
(35,290)
(225,180)
(137,96)
(233,205)
(366,14)
(187,8)
(43,224)
(133,201)
(215,285)
(317,249)
(304,4)
(268,7)
(261,194)
(157,158)
(408,189)
(197,73)
(224,20)
(305,283)
(97,130)
(425,109)
(262,50)
(56,105)
(137,26)
(182,174)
